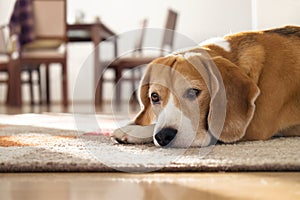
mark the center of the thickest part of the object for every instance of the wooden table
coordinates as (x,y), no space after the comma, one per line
(96,33)
(83,32)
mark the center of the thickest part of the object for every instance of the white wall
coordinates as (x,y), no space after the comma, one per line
(198,20)
(272,13)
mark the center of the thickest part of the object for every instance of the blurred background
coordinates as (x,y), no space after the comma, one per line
(197,20)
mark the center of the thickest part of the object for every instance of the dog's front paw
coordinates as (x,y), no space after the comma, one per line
(121,136)
(133,134)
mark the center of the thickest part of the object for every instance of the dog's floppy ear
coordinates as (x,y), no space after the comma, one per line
(241,93)
(232,93)
(146,115)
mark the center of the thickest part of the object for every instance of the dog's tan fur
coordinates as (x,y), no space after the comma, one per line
(261,75)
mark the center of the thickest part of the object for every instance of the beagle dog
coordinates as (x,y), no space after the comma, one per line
(241,87)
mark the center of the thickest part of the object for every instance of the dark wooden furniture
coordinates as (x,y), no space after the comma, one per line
(9,64)
(83,32)
(92,32)
(50,29)
(12,68)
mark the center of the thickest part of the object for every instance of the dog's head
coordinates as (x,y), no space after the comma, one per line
(185,97)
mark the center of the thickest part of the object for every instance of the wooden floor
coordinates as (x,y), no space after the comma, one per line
(173,186)
(152,186)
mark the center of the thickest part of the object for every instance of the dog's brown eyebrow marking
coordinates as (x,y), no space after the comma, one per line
(196,84)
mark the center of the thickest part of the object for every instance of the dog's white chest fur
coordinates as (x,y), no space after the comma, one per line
(218,41)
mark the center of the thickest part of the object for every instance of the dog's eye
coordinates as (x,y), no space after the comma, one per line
(155,98)
(191,93)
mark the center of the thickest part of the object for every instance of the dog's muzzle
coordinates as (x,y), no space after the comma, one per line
(165,136)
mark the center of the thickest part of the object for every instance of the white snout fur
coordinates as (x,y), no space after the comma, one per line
(172,117)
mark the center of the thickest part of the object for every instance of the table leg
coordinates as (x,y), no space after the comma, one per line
(96,38)
(65,84)
(14,83)
(47,84)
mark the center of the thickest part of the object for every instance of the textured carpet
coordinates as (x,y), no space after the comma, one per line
(28,147)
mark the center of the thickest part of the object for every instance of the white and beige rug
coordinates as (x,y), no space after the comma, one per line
(50,143)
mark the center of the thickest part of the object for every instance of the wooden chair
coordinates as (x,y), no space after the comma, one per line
(49,47)
(4,55)
(21,28)
(9,64)
(5,61)
(138,59)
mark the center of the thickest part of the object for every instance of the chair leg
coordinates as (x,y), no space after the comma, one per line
(7,93)
(64,84)
(14,97)
(47,84)
(99,93)
(39,84)
(133,97)
(118,73)
(31,86)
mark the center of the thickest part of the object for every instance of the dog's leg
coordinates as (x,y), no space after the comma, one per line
(135,134)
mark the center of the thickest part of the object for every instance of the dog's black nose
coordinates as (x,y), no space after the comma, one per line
(165,136)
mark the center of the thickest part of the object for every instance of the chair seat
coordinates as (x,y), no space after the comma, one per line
(130,62)
(39,44)
(42,54)
(58,53)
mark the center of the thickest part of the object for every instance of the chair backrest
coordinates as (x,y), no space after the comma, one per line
(140,38)
(50,18)
(168,37)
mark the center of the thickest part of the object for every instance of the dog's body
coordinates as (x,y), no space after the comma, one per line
(261,76)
